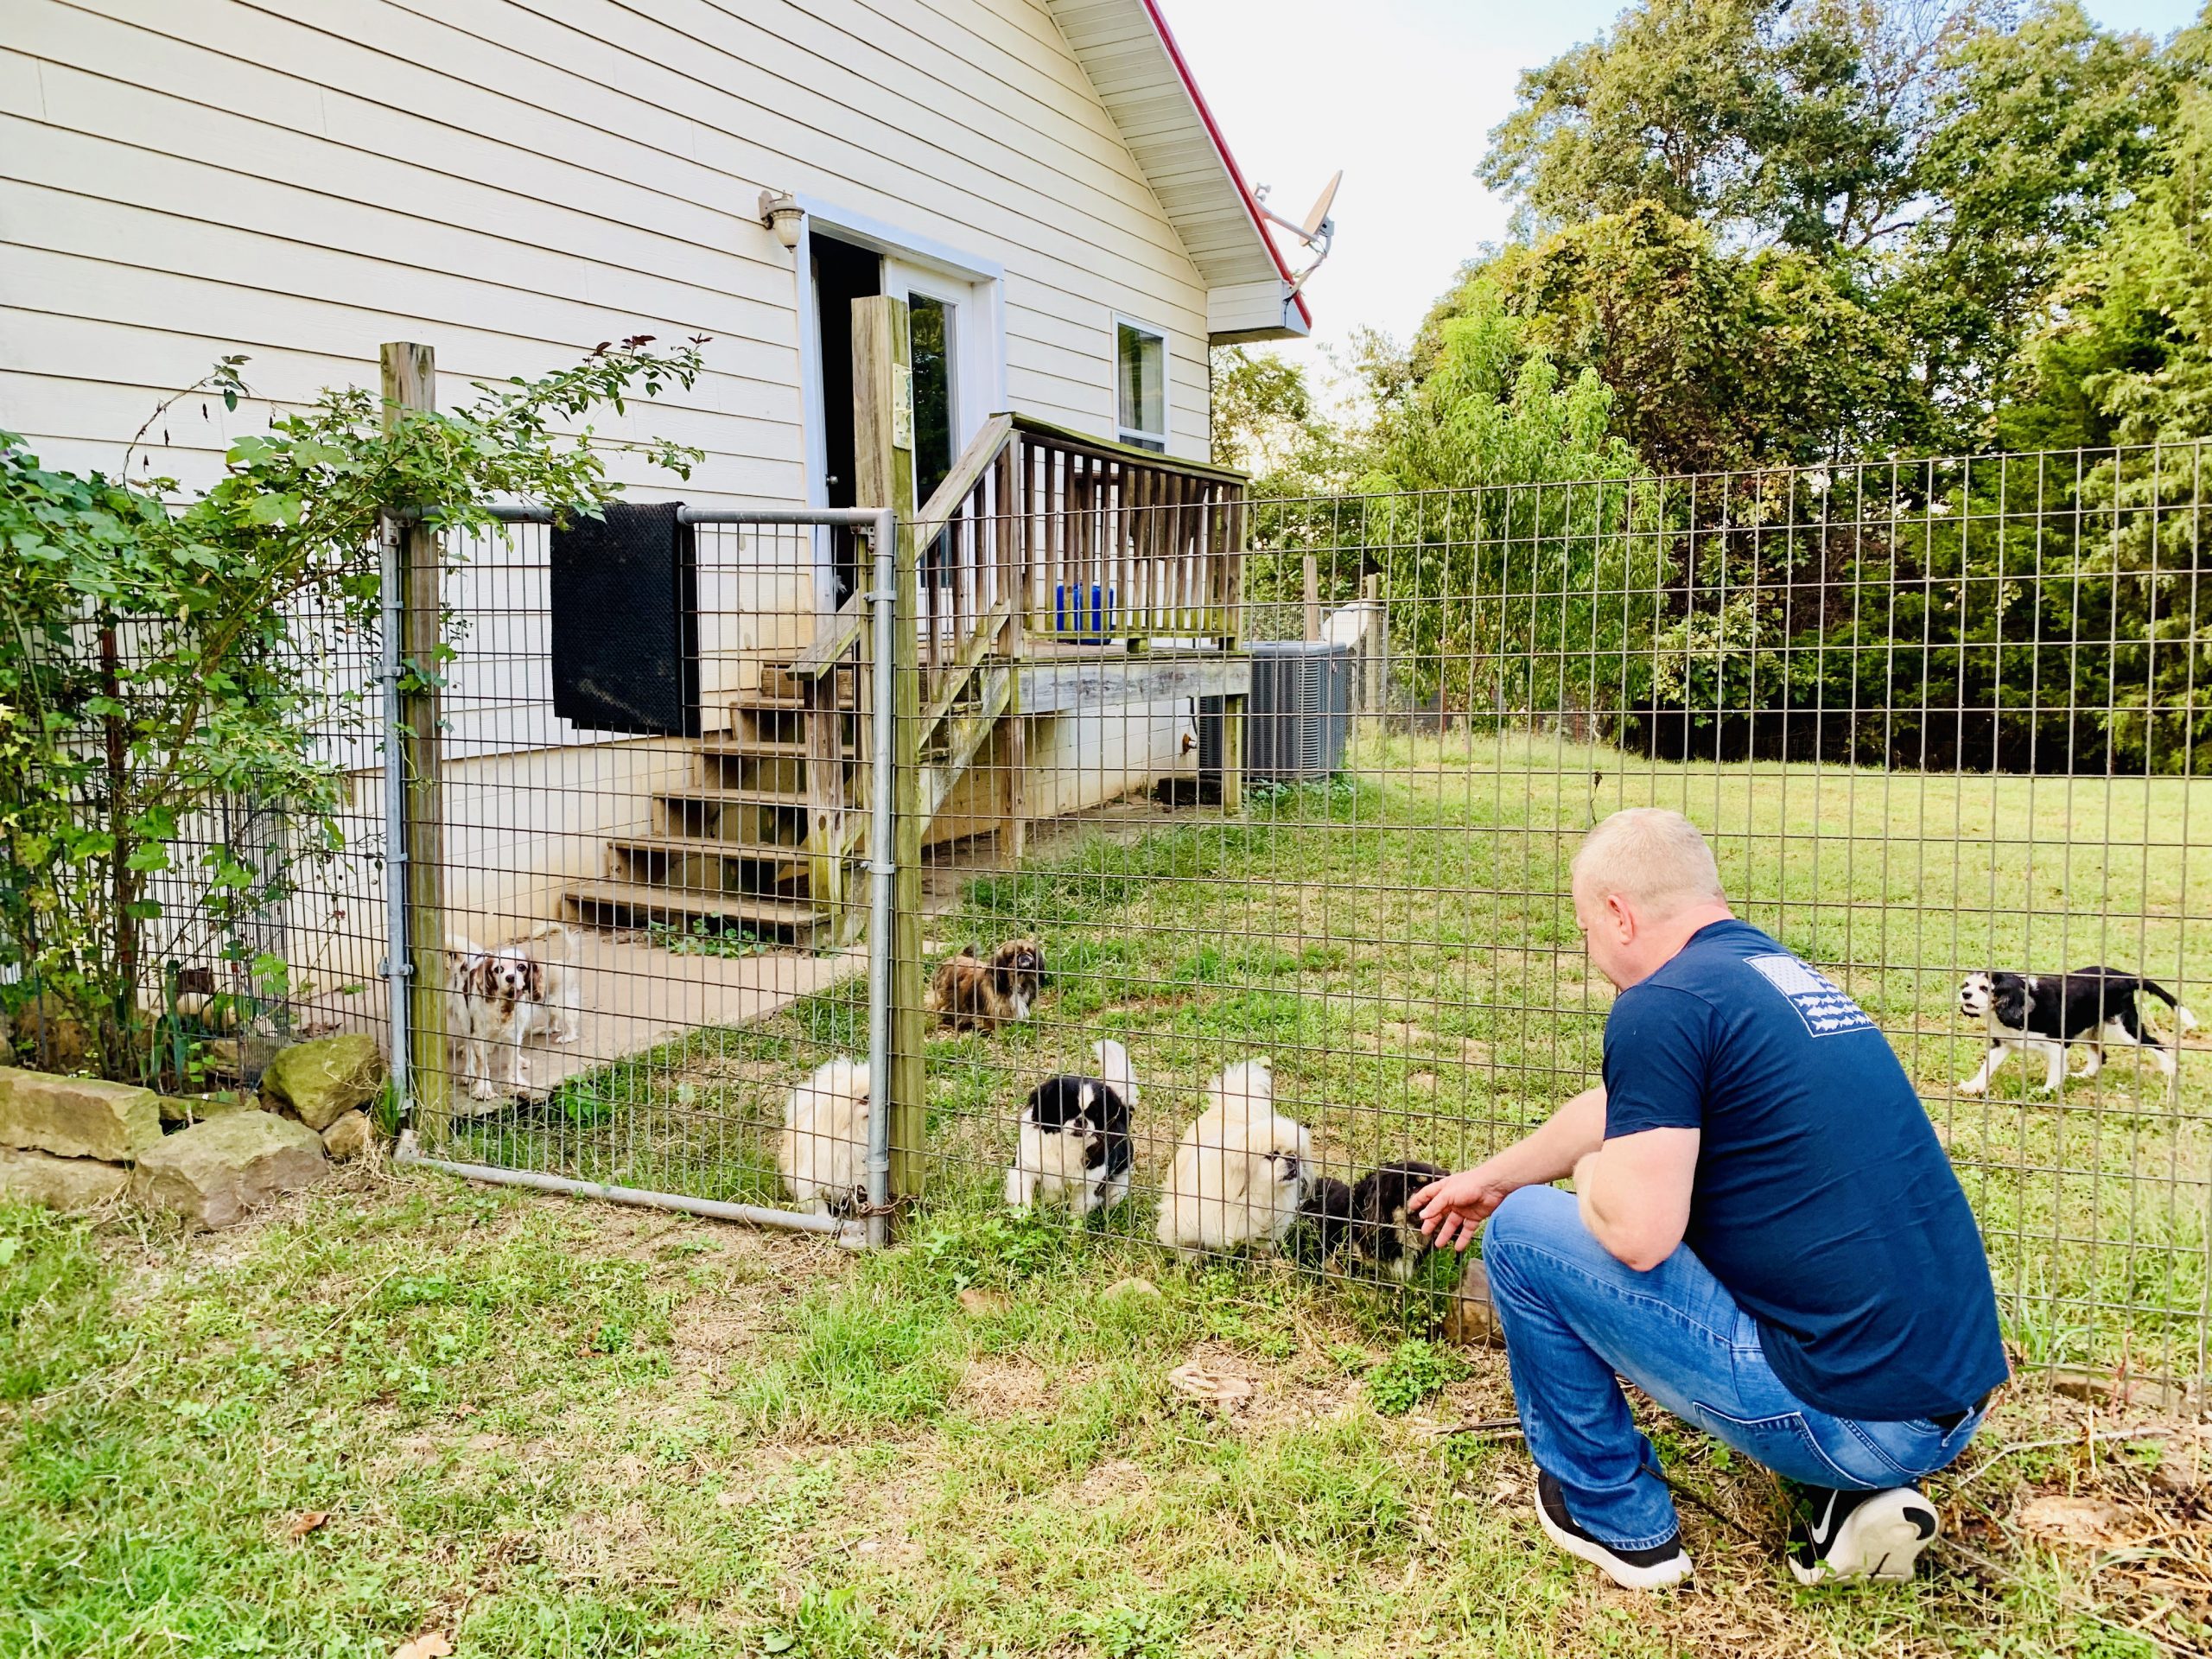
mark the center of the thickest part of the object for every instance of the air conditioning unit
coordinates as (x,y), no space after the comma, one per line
(1297,718)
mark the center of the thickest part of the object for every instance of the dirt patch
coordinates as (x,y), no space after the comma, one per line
(1003,1388)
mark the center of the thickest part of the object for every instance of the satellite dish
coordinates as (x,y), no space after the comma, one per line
(1317,232)
(1319,219)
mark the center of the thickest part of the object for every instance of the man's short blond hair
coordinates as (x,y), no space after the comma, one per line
(1654,859)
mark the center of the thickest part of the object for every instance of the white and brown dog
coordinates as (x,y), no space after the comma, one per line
(986,994)
(1240,1171)
(2043,1013)
(505,994)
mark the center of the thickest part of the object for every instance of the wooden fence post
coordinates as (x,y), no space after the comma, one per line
(883,453)
(411,382)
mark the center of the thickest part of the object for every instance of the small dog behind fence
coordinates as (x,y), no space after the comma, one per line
(503,995)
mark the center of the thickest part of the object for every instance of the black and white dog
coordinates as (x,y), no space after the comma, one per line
(1075,1137)
(1370,1218)
(2043,1013)
(1384,1233)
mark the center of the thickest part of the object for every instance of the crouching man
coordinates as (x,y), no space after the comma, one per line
(1764,1236)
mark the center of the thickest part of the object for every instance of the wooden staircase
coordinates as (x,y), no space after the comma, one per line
(759,841)
(766,835)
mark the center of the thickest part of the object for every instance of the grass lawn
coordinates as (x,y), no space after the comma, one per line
(1399,943)
(537,1427)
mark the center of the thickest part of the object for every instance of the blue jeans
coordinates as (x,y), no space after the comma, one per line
(1574,1316)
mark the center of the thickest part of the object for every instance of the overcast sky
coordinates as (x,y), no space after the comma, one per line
(1401,94)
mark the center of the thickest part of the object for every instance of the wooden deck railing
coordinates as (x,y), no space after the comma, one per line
(1038,532)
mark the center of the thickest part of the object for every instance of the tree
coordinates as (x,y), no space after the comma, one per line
(1266,422)
(2128,359)
(2040,137)
(1770,122)
(1493,504)
(1938,160)
(1714,359)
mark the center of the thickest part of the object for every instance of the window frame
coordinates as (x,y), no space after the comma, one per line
(1135,436)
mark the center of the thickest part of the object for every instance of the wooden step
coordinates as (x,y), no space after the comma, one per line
(690,864)
(755,852)
(633,904)
(765,748)
(724,795)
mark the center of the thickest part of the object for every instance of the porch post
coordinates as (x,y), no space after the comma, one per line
(883,455)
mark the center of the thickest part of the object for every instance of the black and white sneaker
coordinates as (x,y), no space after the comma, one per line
(1860,1535)
(1632,1569)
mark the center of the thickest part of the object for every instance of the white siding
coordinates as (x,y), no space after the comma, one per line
(514,180)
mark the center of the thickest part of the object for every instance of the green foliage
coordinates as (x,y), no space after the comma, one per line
(1714,359)
(2130,358)
(162,659)
(1413,1371)
(1892,191)
(1489,472)
(1770,121)
(700,939)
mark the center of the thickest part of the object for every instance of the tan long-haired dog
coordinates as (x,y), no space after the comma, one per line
(1240,1169)
(823,1154)
(968,991)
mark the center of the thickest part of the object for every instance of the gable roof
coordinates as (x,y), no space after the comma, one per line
(1126,48)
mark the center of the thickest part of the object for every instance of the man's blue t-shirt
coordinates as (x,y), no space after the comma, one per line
(1823,1201)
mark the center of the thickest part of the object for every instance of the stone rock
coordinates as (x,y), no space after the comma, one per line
(179,1111)
(1132,1286)
(58,1183)
(349,1137)
(320,1081)
(77,1117)
(1471,1319)
(215,1172)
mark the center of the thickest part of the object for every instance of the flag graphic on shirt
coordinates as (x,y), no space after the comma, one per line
(1819,1003)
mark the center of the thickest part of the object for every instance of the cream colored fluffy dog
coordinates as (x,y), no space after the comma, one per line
(1240,1169)
(823,1154)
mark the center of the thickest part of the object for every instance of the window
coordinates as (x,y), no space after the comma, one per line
(1140,378)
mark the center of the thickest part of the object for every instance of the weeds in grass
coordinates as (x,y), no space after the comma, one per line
(702,939)
(1414,1372)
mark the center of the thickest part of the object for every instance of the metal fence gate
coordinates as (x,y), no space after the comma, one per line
(1298,781)
(647,920)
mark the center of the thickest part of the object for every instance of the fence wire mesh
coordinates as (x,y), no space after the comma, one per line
(1291,781)
(651,942)
(1935,717)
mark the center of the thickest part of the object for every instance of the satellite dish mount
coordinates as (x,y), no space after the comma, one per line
(1316,234)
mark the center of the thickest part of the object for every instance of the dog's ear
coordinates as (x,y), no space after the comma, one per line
(2009,1000)
(534,978)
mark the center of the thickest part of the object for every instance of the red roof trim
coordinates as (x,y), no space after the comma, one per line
(1221,147)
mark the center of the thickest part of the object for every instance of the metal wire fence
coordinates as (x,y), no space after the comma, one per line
(1937,717)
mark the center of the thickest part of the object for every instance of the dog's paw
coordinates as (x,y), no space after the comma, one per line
(1973,1086)
(2044,1090)
(564,1036)
(482,1089)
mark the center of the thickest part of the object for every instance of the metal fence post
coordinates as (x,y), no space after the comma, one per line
(883,432)
(882,862)
(409,383)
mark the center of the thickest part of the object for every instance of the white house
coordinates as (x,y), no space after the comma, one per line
(513,181)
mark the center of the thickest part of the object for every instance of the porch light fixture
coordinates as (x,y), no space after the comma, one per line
(782,213)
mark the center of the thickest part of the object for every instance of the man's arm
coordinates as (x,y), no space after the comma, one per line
(1635,1193)
(1452,1210)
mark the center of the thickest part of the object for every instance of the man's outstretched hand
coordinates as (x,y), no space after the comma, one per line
(1452,1210)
